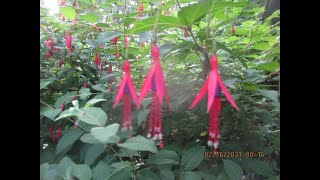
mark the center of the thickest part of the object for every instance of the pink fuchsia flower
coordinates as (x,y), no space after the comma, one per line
(62,3)
(63,106)
(49,54)
(69,41)
(59,133)
(126,41)
(213,87)
(115,40)
(97,60)
(117,54)
(141,6)
(127,92)
(85,84)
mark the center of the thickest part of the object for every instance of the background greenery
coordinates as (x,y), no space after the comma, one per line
(249,65)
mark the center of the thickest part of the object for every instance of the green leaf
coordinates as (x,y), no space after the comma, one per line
(68,139)
(45,82)
(43,170)
(146,102)
(52,113)
(261,46)
(90,17)
(67,98)
(109,158)
(233,170)
(84,93)
(192,157)
(68,113)
(142,115)
(104,79)
(264,115)
(164,22)
(100,87)
(92,102)
(164,157)
(65,167)
(93,153)
(128,153)
(189,175)
(101,171)
(128,21)
(145,36)
(140,143)
(88,138)
(260,167)
(82,171)
(223,47)
(222,176)
(271,94)
(206,176)
(94,116)
(227,4)
(164,49)
(68,12)
(269,66)
(166,174)
(147,174)
(103,134)
(123,173)
(105,37)
(188,15)
(121,164)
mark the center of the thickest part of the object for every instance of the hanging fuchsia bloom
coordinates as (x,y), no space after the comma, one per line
(115,40)
(49,43)
(62,3)
(233,30)
(126,41)
(51,134)
(69,41)
(109,71)
(49,54)
(85,84)
(97,60)
(213,86)
(127,92)
(59,133)
(117,55)
(63,106)
(155,81)
(74,98)
(140,8)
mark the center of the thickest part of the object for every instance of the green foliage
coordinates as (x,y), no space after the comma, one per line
(92,145)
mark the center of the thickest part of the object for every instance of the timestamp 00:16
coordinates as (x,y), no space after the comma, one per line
(234,154)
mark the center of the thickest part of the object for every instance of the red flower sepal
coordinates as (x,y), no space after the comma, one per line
(126,91)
